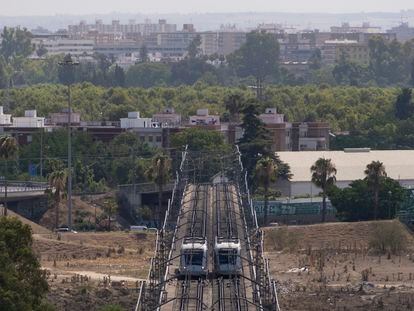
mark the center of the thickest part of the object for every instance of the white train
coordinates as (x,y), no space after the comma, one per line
(227,256)
(193,257)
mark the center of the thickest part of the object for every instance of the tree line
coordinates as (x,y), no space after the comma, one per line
(256,64)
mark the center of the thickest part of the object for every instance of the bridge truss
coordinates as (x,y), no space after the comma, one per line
(195,208)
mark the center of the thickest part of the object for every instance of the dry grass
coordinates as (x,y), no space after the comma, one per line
(36,229)
(337,259)
(106,253)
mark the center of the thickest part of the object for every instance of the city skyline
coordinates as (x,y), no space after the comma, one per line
(76,7)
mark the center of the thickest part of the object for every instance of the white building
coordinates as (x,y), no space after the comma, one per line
(350,164)
(272,117)
(135,121)
(204,118)
(30,120)
(5,119)
(69,46)
(167,118)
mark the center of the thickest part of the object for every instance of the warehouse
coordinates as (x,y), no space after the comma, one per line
(350,164)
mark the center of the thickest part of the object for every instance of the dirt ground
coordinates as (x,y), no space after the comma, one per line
(317,267)
(332,267)
(89,270)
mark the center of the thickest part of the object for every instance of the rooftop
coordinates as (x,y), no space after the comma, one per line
(399,164)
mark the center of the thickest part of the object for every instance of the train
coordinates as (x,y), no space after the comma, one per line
(194,254)
(227,256)
(193,257)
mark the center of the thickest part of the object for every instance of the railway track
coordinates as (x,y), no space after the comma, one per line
(190,292)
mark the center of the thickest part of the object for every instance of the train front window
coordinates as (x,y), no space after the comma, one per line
(194,258)
(227,256)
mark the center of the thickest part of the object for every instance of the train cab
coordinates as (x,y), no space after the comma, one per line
(227,256)
(193,257)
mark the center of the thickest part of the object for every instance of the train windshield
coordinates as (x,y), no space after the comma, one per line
(194,258)
(227,256)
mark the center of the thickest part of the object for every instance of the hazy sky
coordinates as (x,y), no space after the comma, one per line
(52,7)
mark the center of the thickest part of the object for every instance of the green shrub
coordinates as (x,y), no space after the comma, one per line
(389,237)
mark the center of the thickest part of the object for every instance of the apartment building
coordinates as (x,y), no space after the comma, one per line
(364,28)
(310,136)
(279,130)
(5,119)
(230,41)
(403,32)
(62,118)
(167,118)
(135,121)
(56,46)
(353,50)
(204,119)
(118,49)
(146,28)
(30,119)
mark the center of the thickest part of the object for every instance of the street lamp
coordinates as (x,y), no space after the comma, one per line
(69,63)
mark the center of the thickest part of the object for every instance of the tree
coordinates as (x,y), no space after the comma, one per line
(194,50)
(323,176)
(8,151)
(234,104)
(148,75)
(143,54)
(190,70)
(23,283)
(57,181)
(110,207)
(16,42)
(41,50)
(66,73)
(346,72)
(198,140)
(255,142)
(265,173)
(375,172)
(159,173)
(258,57)
(403,106)
(353,204)
(412,73)
(119,76)
(315,61)
(4,78)
(209,148)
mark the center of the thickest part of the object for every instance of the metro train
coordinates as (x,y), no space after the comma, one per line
(194,253)
(227,256)
(193,257)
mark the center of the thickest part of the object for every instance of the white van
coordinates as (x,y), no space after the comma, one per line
(138,228)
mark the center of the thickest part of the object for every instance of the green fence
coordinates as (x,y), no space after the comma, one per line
(293,207)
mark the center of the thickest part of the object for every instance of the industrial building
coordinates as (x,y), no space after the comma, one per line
(350,164)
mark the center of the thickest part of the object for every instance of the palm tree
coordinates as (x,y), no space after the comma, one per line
(8,151)
(57,181)
(159,173)
(234,103)
(375,172)
(265,173)
(323,176)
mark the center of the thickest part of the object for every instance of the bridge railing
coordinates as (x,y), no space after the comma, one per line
(261,272)
(23,186)
(165,240)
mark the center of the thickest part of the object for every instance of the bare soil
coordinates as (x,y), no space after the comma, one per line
(332,267)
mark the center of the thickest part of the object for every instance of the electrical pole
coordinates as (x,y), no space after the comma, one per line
(69,159)
(68,62)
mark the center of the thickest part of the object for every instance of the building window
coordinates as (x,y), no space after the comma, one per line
(142,138)
(29,138)
(158,139)
(150,139)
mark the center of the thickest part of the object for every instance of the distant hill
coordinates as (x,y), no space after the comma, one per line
(212,21)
